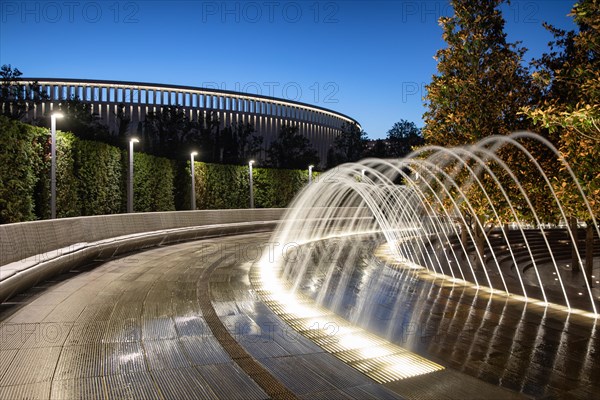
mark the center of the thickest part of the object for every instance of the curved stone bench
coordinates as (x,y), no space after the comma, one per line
(31,252)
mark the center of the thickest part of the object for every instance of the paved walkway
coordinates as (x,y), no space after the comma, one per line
(179,322)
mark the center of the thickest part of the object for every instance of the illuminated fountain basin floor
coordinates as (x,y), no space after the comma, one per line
(521,346)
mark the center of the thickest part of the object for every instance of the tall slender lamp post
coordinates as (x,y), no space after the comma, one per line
(193,206)
(130,180)
(310,168)
(53,118)
(251,185)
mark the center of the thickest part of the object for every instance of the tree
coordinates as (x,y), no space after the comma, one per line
(481,84)
(479,90)
(208,137)
(240,143)
(292,150)
(79,120)
(378,149)
(17,97)
(349,145)
(403,137)
(167,129)
(123,119)
(570,111)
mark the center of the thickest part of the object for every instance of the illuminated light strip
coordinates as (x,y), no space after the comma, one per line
(375,357)
(96,84)
(385,253)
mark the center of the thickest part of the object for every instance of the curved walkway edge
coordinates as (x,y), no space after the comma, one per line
(35,251)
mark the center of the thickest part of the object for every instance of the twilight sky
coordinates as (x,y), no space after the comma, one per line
(367,59)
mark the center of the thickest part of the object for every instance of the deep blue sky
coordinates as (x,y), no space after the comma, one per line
(367,59)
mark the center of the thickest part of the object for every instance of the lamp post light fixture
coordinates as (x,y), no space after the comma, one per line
(310,168)
(251,185)
(193,206)
(53,118)
(130,180)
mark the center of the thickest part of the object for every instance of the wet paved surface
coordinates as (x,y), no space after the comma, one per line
(140,327)
(135,328)
(539,352)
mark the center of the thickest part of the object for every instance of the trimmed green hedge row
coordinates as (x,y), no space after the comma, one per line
(92,176)
(21,163)
(228,186)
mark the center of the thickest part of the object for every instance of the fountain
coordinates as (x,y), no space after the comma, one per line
(357,244)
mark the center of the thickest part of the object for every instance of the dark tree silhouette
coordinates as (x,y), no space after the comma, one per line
(17,97)
(167,130)
(349,146)
(79,120)
(240,143)
(380,149)
(292,150)
(123,120)
(403,137)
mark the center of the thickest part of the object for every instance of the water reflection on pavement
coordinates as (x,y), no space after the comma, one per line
(527,348)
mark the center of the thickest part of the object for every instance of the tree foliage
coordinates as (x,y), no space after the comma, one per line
(378,149)
(481,83)
(403,137)
(570,107)
(81,121)
(123,120)
(166,130)
(349,145)
(16,98)
(479,90)
(292,150)
(240,143)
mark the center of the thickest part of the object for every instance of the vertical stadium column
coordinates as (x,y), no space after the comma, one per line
(226,119)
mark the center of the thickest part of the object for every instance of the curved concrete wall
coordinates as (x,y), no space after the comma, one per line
(267,114)
(29,239)
(31,252)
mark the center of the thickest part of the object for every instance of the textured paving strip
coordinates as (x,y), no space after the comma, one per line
(274,388)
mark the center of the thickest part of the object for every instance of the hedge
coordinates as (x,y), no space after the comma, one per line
(20,162)
(99,172)
(152,183)
(92,176)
